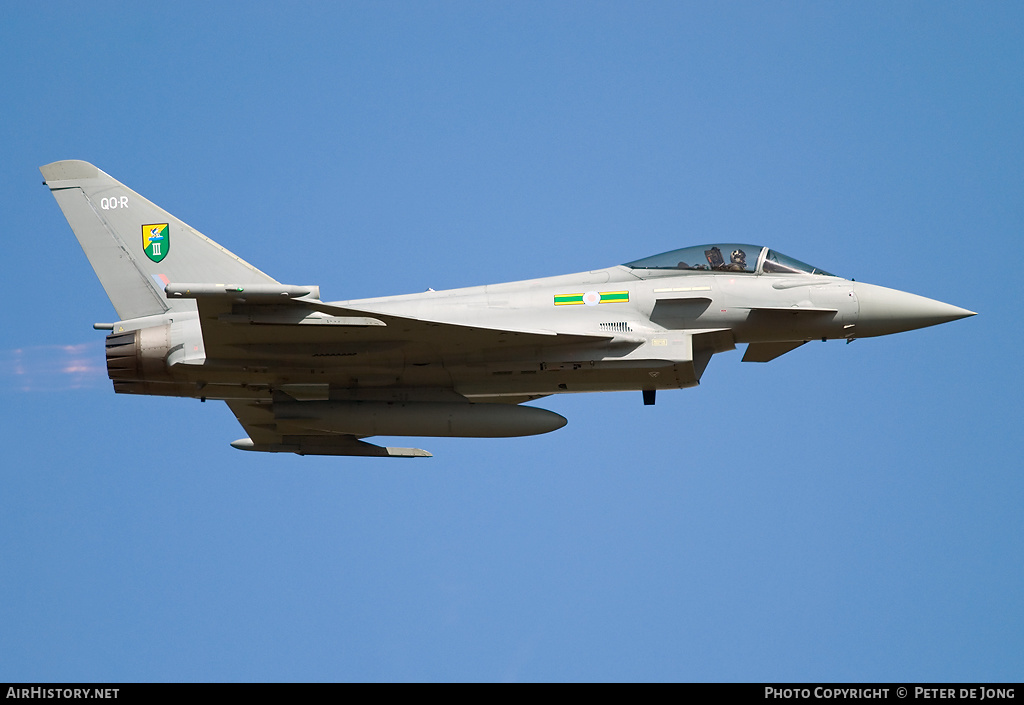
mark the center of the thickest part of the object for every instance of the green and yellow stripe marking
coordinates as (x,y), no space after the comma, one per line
(606,297)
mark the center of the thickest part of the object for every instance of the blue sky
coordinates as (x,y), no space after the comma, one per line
(846,512)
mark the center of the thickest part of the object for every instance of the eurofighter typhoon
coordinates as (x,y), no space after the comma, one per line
(317,377)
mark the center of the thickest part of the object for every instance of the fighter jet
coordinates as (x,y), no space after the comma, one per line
(315,377)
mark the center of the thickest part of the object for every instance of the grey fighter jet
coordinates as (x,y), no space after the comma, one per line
(313,377)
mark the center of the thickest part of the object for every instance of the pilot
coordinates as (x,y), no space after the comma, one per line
(738,262)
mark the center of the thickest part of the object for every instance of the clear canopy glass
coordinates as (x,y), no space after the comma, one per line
(727,257)
(778,263)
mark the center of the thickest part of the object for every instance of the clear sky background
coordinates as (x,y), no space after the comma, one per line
(846,512)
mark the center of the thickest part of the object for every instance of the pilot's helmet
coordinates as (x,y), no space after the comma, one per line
(739,257)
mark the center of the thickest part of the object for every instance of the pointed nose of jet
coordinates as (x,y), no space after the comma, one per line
(884,311)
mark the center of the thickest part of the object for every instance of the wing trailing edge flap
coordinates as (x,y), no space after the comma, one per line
(258,421)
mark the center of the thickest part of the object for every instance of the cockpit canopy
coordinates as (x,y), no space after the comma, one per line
(725,257)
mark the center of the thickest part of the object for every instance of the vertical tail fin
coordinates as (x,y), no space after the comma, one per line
(135,247)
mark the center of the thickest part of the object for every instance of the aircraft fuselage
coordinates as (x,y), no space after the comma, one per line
(305,375)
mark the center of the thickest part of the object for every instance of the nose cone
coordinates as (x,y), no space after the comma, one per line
(884,311)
